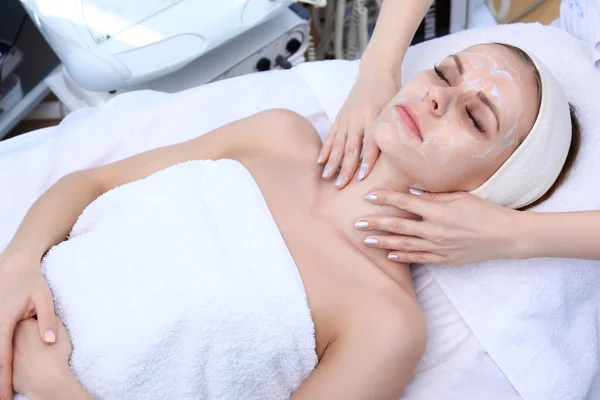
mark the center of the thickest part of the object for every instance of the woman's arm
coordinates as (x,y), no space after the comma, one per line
(374,358)
(53,215)
(564,235)
(41,372)
(65,386)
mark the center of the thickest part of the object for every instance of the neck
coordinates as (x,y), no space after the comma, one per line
(342,208)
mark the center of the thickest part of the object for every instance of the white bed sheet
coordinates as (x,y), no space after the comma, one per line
(455,365)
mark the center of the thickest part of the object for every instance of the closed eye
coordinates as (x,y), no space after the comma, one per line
(474,120)
(441,74)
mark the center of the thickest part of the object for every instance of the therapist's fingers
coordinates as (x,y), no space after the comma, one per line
(337,152)
(328,144)
(396,225)
(399,242)
(351,157)
(7,328)
(370,156)
(427,209)
(416,258)
(439,197)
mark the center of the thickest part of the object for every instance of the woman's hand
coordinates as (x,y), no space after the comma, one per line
(40,369)
(23,293)
(350,131)
(455,228)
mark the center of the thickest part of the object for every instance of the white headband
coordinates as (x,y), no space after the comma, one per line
(533,168)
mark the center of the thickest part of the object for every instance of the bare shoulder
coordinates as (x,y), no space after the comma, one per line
(275,133)
(287,134)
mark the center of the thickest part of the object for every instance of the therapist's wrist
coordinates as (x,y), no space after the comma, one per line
(374,67)
(524,231)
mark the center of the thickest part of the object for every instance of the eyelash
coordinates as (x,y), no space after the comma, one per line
(474,120)
(441,75)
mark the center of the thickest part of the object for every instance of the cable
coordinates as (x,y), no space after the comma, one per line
(327,31)
(338,41)
(526,13)
(310,52)
(352,35)
(283,62)
(315,18)
(363,27)
(11,47)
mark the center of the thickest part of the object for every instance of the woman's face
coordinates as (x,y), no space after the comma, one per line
(451,129)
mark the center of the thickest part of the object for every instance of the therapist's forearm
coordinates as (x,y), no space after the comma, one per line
(52,216)
(396,26)
(564,235)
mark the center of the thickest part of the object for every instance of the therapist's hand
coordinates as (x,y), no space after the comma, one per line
(23,293)
(40,370)
(455,228)
(350,131)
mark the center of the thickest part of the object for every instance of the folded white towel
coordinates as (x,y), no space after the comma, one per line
(180,286)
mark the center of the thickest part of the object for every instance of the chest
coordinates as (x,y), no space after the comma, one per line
(329,265)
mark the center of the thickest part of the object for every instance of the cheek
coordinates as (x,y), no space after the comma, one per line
(394,140)
(452,166)
(416,87)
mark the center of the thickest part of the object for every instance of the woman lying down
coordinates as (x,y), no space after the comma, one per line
(225,268)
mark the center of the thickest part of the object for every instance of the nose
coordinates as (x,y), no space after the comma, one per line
(438,98)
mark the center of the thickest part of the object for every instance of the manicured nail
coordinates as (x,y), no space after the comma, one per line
(339,181)
(417,192)
(362,171)
(326,172)
(320,159)
(361,224)
(371,240)
(49,336)
(371,197)
(392,256)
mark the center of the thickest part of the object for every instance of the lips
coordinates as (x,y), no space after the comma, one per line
(410,119)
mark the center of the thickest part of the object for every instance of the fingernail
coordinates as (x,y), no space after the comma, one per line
(361,224)
(320,159)
(371,197)
(392,256)
(49,336)
(362,171)
(326,172)
(339,181)
(371,240)
(417,192)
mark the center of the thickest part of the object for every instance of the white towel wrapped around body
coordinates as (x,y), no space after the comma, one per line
(180,286)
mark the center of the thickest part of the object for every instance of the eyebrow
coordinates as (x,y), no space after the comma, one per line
(491,106)
(459,64)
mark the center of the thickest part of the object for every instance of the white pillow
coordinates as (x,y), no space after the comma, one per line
(538,319)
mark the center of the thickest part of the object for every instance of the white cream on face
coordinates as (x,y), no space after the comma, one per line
(396,137)
(452,148)
(487,66)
